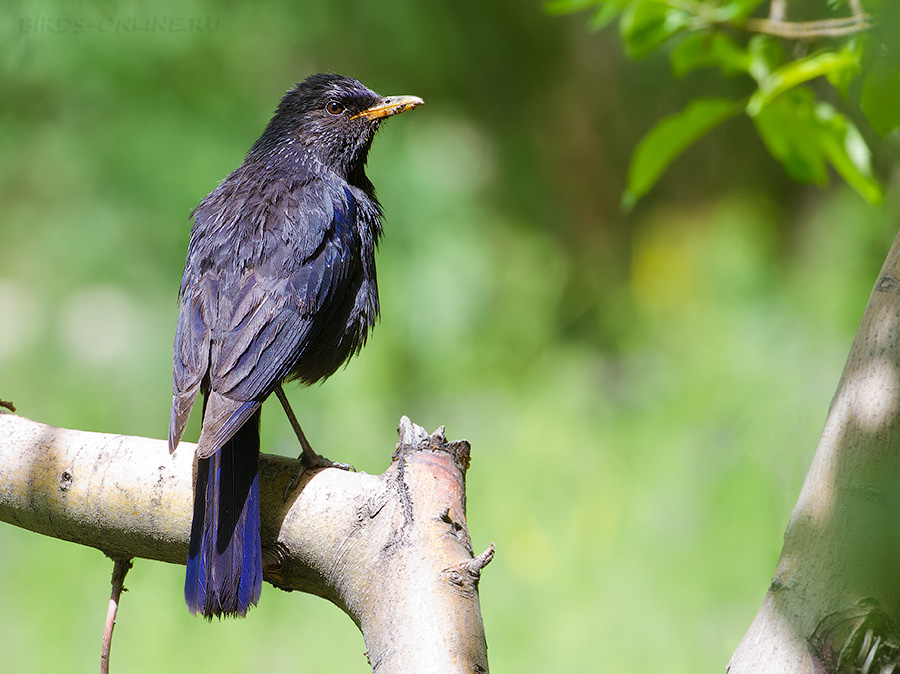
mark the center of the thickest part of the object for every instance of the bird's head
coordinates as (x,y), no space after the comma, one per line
(332,118)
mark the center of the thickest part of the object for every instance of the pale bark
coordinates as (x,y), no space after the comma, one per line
(391,550)
(833,602)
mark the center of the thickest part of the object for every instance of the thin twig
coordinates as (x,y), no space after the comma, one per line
(120,570)
(778,10)
(799,30)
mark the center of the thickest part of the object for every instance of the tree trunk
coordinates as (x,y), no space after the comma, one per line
(832,605)
(391,550)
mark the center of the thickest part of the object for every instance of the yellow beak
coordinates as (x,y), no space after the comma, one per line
(390,105)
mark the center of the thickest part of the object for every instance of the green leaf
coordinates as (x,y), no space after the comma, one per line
(847,151)
(606,14)
(842,78)
(704,50)
(788,128)
(806,136)
(880,101)
(765,56)
(669,138)
(799,71)
(569,6)
(605,11)
(737,10)
(647,24)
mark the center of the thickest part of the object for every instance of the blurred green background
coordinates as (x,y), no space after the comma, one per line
(643,391)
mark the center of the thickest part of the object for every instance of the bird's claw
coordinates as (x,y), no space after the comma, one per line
(312,461)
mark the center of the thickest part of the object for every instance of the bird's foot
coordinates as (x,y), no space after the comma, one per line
(311,460)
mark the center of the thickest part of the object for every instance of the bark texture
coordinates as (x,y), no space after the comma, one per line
(391,550)
(833,603)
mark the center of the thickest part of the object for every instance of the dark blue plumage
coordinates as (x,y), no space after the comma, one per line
(225,551)
(279,284)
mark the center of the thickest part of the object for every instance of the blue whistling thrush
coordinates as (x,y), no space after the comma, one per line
(279,284)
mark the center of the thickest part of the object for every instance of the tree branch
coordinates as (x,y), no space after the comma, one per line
(391,550)
(834,597)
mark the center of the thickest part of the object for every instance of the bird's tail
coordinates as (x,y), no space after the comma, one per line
(224,567)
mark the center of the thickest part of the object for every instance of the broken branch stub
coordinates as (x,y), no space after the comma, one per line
(403,568)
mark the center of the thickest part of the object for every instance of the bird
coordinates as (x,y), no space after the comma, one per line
(279,284)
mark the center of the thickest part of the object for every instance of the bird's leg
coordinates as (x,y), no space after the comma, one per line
(308,457)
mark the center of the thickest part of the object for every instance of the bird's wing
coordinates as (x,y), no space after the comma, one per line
(258,326)
(274,310)
(191,353)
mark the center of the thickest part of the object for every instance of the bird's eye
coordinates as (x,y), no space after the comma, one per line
(334,108)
